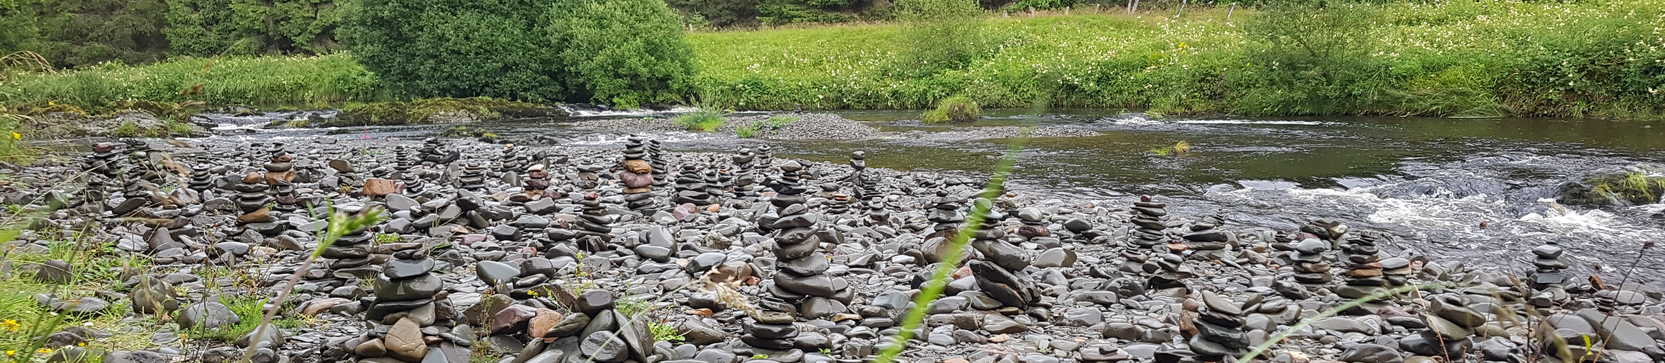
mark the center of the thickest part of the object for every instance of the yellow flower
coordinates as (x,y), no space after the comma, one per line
(16,136)
(533,292)
(43,351)
(10,353)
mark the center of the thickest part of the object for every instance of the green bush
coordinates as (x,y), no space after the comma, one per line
(953,109)
(1315,59)
(457,48)
(703,120)
(624,53)
(244,27)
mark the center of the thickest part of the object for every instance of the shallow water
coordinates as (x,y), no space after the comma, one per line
(1478,191)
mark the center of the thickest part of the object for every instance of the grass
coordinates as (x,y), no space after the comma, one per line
(12,149)
(24,324)
(435,110)
(1633,187)
(1427,59)
(273,82)
(702,120)
(772,123)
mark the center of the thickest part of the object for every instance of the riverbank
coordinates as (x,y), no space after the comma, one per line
(473,267)
(1580,60)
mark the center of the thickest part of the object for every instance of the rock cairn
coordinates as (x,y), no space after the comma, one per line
(1220,329)
(1000,273)
(773,330)
(1397,271)
(433,152)
(690,187)
(1166,271)
(407,164)
(1329,231)
(251,198)
(765,158)
(1311,268)
(745,179)
(945,215)
(1450,323)
(716,184)
(661,170)
(1547,276)
(473,177)
(345,175)
(638,178)
(351,250)
(1150,224)
(1033,224)
(1206,238)
(202,179)
(801,281)
(838,204)
(537,182)
(1364,267)
(595,225)
(408,296)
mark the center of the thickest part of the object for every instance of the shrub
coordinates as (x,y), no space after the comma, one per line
(703,120)
(955,109)
(457,48)
(1313,59)
(322,81)
(624,53)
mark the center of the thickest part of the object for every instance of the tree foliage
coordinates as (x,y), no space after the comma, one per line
(940,35)
(72,33)
(211,27)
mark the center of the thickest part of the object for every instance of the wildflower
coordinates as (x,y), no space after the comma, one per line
(43,351)
(10,325)
(16,136)
(11,353)
(533,292)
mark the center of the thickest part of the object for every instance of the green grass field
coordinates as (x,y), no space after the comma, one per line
(1598,58)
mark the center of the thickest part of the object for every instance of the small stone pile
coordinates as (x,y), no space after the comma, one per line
(690,187)
(1220,329)
(1150,224)
(472,178)
(773,330)
(945,214)
(1450,324)
(1364,268)
(1397,271)
(1166,272)
(408,296)
(345,175)
(1329,231)
(858,171)
(433,152)
(1206,238)
(765,158)
(251,198)
(745,179)
(638,178)
(595,225)
(838,204)
(537,183)
(716,184)
(1311,269)
(661,170)
(408,165)
(350,251)
(1034,224)
(874,201)
(1548,277)
(1000,273)
(202,180)
(801,280)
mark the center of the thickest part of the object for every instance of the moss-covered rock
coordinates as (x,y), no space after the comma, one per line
(439,110)
(1614,190)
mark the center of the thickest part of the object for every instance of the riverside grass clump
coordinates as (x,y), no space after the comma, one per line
(953,109)
(1444,58)
(702,120)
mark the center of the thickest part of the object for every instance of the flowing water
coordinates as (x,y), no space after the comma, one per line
(1476,191)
